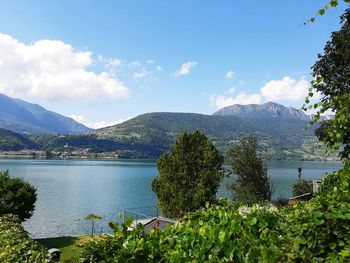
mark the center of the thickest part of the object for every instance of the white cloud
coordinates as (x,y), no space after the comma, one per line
(229,74)
(78,117)
(135,69)
(141,74)
(220,101)
(185,68)
(285,89)
(53,70)
(232,90)
(98,124)
(102,124)
(135,63)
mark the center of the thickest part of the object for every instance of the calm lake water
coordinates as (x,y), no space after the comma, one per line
(68,190)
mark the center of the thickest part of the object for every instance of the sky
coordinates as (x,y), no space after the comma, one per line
(103,62)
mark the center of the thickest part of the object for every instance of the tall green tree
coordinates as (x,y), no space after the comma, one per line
(332,80)
(252,183)
(189,176)
(17,196)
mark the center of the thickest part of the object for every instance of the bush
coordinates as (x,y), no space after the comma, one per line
(17,197)
(320,228)
(313,231)
(15,244)
(302,187)
(221,233)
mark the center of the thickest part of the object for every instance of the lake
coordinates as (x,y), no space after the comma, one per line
(68,190)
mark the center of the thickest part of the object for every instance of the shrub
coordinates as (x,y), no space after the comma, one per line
(16,196)
(15,244)
(313,231)
(302,187)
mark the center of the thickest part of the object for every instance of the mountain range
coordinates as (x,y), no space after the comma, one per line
(266,111)
(24,117)
(280,130)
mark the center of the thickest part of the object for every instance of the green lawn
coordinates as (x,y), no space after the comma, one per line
(68,245)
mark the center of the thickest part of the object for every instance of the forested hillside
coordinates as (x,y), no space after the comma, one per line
(151,134)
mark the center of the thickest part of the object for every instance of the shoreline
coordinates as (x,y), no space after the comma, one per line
(105,156)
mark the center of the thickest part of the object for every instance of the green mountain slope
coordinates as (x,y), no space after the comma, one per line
(280,137)
(149,135)
(11,141)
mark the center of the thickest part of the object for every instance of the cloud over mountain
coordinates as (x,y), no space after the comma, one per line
(285,89)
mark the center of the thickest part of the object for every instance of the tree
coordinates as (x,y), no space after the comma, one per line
(252,183)
(189,176)
(93,219)
(17,196)
(332,80)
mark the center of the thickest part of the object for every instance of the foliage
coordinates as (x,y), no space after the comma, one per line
(11,141)
(16,196)
(189,176)
(221,233)
(15,244)
(252,183)
(323,10)
(314,231)
(332,80)
(302,187)
(321,227)
(150,135)
(93,219)
(279,137)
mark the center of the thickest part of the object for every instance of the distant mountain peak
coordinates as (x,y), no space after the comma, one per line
(266,110)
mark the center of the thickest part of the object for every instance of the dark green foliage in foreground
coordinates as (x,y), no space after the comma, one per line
(314,231)
(321,227)
(252,183)
(189,176)
(302,187)
(17,197)
(332,79)
(15,244)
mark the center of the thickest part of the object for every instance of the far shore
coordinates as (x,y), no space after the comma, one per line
(83,155)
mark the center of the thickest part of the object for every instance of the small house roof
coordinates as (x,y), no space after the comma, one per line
(158,222)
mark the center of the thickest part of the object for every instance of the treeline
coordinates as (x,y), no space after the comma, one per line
(150,135)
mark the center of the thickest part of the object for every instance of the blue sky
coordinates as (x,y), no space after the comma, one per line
(105,61)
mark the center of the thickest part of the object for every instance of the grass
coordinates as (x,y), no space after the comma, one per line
(68,246)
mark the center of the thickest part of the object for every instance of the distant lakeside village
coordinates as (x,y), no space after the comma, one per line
(123,154)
